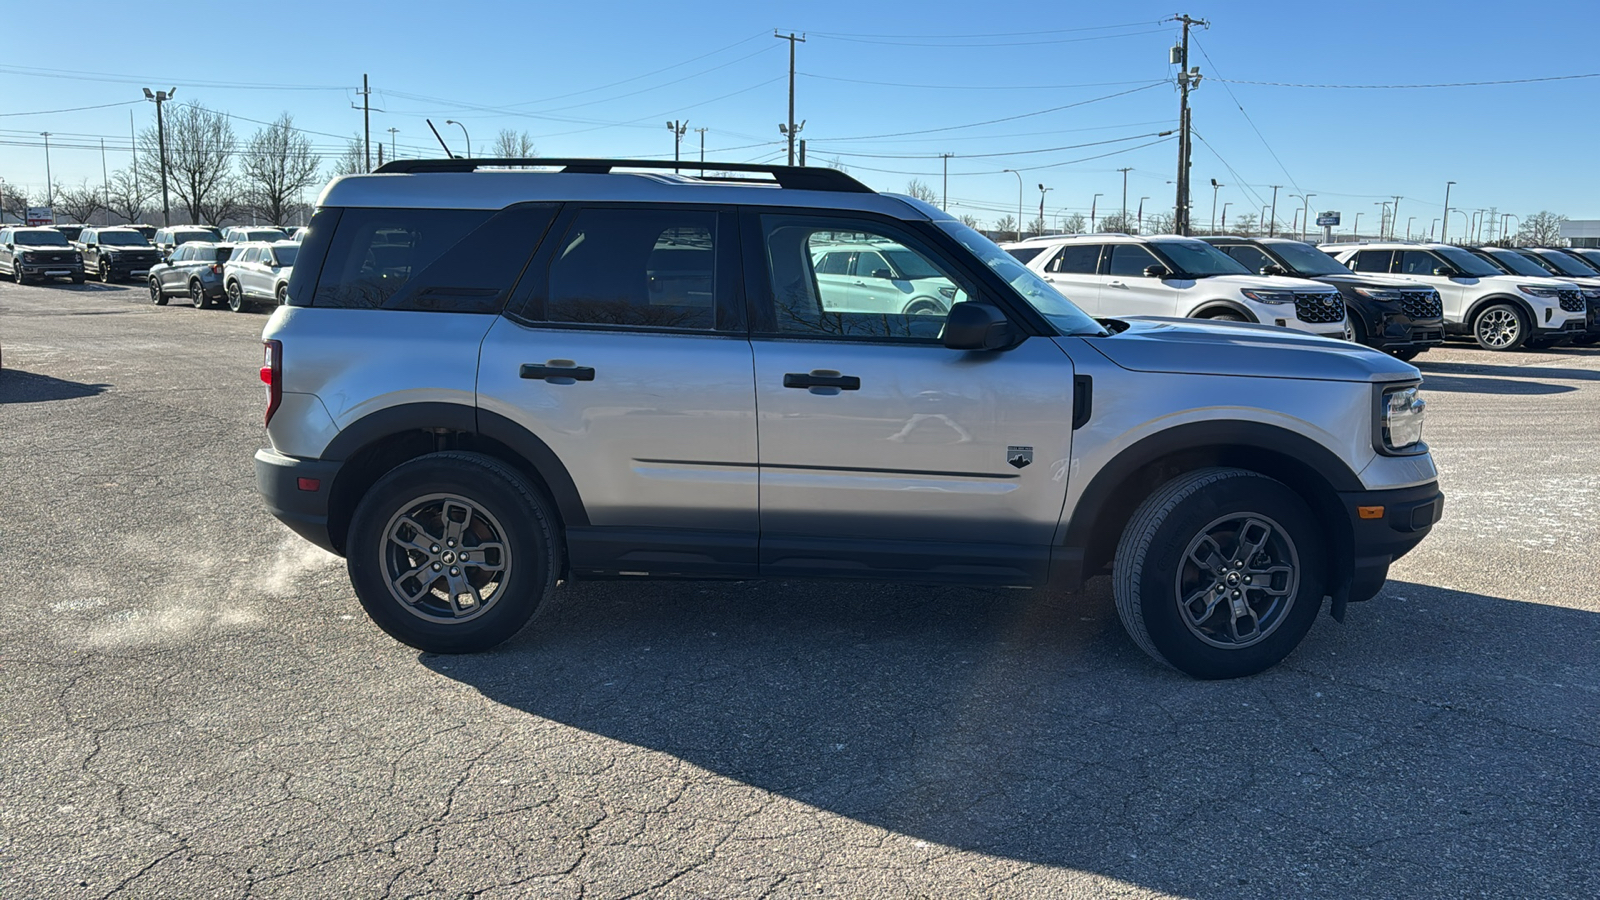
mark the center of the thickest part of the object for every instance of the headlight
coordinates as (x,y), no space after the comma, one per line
(1591,295)
(1536,290)
(1268,296)
(77,257)
(28,257)
(1398,429)
(1387,296)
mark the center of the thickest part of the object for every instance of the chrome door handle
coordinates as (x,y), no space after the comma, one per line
(556,374)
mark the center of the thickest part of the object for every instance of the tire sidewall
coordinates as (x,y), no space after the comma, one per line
(1524,326)
(508,497)
(1164,552)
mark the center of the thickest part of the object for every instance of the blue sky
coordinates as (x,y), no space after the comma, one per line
(884,89)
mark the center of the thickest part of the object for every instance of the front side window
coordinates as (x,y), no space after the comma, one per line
(1248,256)
(1196,259)
(1421,262)
(181,254)
(1130,261)
(1067,318)
(1469,265)
(1517,264)
(650,268)
(1025,254)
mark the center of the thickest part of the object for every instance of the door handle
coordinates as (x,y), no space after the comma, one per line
(1115,284)
(822,378)
(558,374)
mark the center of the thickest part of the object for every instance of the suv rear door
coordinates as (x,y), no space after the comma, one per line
(625,353)
(1074,271)
(882,451)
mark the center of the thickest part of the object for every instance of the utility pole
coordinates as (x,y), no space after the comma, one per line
(1188,79)
(793,130)
(49,182)
(1042,191)
(366,119)
(1225,214)
(1444,224)
(802,151)
(945,157)
(1385,227)
(679,129)
(1272,230)
(1396,213)
(1019,200)
(105,175)
(1214,188)
(133,141)
(703,147)
(1093,201)
(1125,172)
(394,148)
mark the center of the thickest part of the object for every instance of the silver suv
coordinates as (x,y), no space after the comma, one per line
(484,383)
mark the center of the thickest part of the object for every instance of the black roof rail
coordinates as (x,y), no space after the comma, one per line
(802,178)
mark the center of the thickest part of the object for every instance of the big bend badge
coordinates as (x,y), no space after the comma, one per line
(1019,457)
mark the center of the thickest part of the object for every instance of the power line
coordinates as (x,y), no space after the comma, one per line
(1408,87)
(1002,155)
(46,112)
(844,34)
(972,87)
(76,75)
(1004,118)
(1247,118)
(954,40)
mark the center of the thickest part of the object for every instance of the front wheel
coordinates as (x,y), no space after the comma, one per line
(235,296)
(1220,573)
(1406,355)
(105,272)
(452,552)
(925,306)
(1225,317)
(1500,327)
(17,276)
(157,296)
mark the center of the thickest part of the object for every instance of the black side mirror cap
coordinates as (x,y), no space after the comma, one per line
(1272,269)
(977,326)
(1444,272)
(1156,272)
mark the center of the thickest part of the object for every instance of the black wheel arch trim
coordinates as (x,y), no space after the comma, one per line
(1470,319)
(1204,310)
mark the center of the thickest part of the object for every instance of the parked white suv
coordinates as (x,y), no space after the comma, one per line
(258,271)
(1168,275)
(487,382)
(1500,311)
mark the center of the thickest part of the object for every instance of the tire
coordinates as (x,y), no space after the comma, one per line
(407,514)
(1225,317)
(104,272)
(78,279)
(281,294)
(235,296)
(1355,330)
(197,295)
(1585,340)
(1156,570)
(17,276)
(1500,326)
(925,306)
(157,296)
(1406,355)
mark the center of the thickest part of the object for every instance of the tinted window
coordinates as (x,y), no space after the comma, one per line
(871,265)
(180,254)
(836,263)
(1418,262)
(1372,260)
(1566,264)
(1248,256)
(285,255)
(199,253)
(1025,254)
(1130,260)
(1076,259)
(639,268)
(811,303)
(122,239)
(40,239)
(1516,263)
(376,251)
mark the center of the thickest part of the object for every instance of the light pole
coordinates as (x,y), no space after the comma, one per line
(1042,191)
(1305,220)
(1274,231)
(703,147)
(49,183)
(394,146)
(463,134)
(1505,227)
(1019,200)
(1092,202)
(1409,220)
(1466,220)
(1125,195)
(1444,230)
(1432,227)
(1263,225)
(1357,226)
(679,129)
(1383,218)
(158,98)
(1140,226)
(1294,223)
(1214,188)
(1225,214)
(1477,231)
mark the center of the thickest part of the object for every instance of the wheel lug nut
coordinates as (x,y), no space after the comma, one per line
(1247,579)
(437,567)
(1236,595)
(449,543)
(434,549)
(454,571)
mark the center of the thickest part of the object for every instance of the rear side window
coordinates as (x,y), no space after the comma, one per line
(1248,256)
(1076,259)
(445,260)
(1372,261)
(1023,255)
(641,268)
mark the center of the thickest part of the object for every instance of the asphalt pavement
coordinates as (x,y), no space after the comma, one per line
(195,705)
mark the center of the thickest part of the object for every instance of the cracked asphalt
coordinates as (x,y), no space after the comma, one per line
(194,704)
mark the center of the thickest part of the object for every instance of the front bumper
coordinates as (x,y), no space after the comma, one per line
(1393,329)
(1385,525)
(282,482)
(1576,326)
(51,270)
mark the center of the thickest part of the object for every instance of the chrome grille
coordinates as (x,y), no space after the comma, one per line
(1571,301)
(1319,308)
(1421,304)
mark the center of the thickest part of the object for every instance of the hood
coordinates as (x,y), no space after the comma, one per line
(1259,282)
(1196,347)
(1362,279)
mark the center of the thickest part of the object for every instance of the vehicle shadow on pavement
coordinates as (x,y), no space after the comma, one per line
(1460,384)
(17,386)
(1456,368)
(1437,738)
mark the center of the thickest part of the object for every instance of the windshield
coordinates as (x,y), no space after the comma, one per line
(1197,259)
(1067,318)
(184,237)
(1569,265)
(123,239)
(265,234)
(1517,263)
(1306,260)
(1470,265)
(285,255)
(40,238)
(1584,253)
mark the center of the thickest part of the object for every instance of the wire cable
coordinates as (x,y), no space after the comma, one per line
(1003,118)
(1247,118)
(1409,87)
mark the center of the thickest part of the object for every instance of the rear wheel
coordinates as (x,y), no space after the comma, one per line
(197,295)
(235,296)
(1500,327)
(1220,573)
(452,552)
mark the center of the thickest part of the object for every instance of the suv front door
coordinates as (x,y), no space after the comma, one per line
(1127,291)
(882,451)
(625,354)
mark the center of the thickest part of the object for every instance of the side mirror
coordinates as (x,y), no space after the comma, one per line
(1273,269)
(1444,271)
(882,273)
(1157,271)
(977,326)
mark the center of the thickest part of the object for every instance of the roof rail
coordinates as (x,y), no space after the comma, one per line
(804,178)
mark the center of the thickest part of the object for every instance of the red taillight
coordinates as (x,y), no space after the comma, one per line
(216,269)
(272,375)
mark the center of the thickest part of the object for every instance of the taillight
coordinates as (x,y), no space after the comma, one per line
(272,375)
(216,269)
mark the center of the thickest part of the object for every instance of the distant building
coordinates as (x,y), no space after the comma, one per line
(1582,232)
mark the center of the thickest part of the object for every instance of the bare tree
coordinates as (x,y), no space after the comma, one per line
(510,144)
(1542,229)
(277,165)
(16,201)
(1007,225)
(971,221)
(1157,223)
(129,195)
(1116,222)
(1245,225)
(921,191)
(353,161)
(80,203)
(1074,224)
(200,151)
(1037,225)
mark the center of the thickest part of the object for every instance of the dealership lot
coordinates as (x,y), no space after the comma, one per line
(196,705)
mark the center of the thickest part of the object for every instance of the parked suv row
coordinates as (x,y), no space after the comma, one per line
(117,253)
(484,384)
(195,271)
(38,254)
(1567,266)
(1501,311)
(1126,275)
